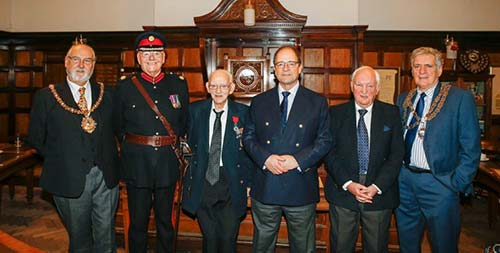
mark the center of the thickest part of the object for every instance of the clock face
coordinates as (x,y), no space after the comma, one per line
(474,61)
(473,56)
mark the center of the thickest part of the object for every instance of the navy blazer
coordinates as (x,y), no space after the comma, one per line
(237,164)
(306,137)
(58,137)
(452,142)
(385,159)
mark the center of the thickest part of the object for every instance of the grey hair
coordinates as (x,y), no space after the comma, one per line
(377,75)
(427,50)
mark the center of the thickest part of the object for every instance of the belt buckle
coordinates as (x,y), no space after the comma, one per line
(157,141)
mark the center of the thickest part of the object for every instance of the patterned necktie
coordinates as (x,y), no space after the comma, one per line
(363,146)
(410,133)
(82,102)
(212,175)
(284,108)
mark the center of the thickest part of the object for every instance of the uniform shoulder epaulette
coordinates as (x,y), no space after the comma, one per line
(180,76)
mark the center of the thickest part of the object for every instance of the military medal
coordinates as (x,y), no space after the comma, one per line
(88,124)
(175,101)
(238,131)
(235,128)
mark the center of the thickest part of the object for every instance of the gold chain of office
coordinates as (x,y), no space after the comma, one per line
(88,123)
(435,108)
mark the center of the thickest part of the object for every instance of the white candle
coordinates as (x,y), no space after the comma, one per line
(249,16)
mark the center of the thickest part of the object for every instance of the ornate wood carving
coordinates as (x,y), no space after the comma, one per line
(268,14)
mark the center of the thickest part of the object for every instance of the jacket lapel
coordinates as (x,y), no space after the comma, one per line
(350,129)
(205,125)
(377,128)
(229,134)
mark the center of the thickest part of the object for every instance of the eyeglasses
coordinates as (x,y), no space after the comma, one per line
(282,64)
(147,54)
(215,86)
(77,60)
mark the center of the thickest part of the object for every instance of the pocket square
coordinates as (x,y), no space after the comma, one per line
(387,128)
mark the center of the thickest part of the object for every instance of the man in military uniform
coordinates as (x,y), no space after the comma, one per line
(150,167)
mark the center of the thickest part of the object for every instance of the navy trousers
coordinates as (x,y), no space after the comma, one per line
(424,201)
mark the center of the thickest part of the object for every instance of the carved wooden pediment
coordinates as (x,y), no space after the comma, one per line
(268,14)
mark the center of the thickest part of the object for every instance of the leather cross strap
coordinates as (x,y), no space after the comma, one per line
(162,118)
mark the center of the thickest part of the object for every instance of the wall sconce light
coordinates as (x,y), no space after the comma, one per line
(249,14)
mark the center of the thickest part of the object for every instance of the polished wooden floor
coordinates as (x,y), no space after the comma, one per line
(38,224)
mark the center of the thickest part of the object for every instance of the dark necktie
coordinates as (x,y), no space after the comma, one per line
(284,108)
(410,133)
(363,143)
(212,175)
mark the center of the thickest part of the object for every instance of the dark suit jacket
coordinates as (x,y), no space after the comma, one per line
(452,140)
(142,165)
(306,137)
(237,165)
(385,159)
(59,138)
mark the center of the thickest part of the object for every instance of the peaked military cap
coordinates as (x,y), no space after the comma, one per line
(150,41)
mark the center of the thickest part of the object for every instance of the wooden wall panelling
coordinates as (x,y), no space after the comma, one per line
(332,52)
(4,57)
(370,59)
(4,79)
(173,58)
(4,125)
(22,122)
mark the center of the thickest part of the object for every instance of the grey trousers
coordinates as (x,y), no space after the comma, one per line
(300,222)
(90,218)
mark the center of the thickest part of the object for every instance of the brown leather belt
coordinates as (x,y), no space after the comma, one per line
(154,140)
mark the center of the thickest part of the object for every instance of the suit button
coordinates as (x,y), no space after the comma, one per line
(267,123)
(157,117)
(156,149)
(241,181)
(157,133)
(297,144)
(301,126)
(268,142)
(237,165)
(133,106)
(154,87)
(239,148)
(156,101)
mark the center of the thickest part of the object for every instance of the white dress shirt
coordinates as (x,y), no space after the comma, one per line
(76,94)
(418,158)
(223,121)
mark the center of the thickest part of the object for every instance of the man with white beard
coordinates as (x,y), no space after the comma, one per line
(71,127)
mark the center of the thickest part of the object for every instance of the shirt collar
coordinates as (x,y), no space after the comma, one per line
(368,109)
(213,107)
(429,92)
(75,87)
(292,91)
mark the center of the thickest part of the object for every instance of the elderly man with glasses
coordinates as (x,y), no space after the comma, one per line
(215,186)
(149,164)
(71,127)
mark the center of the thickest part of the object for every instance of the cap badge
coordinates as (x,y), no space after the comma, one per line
(151,38)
